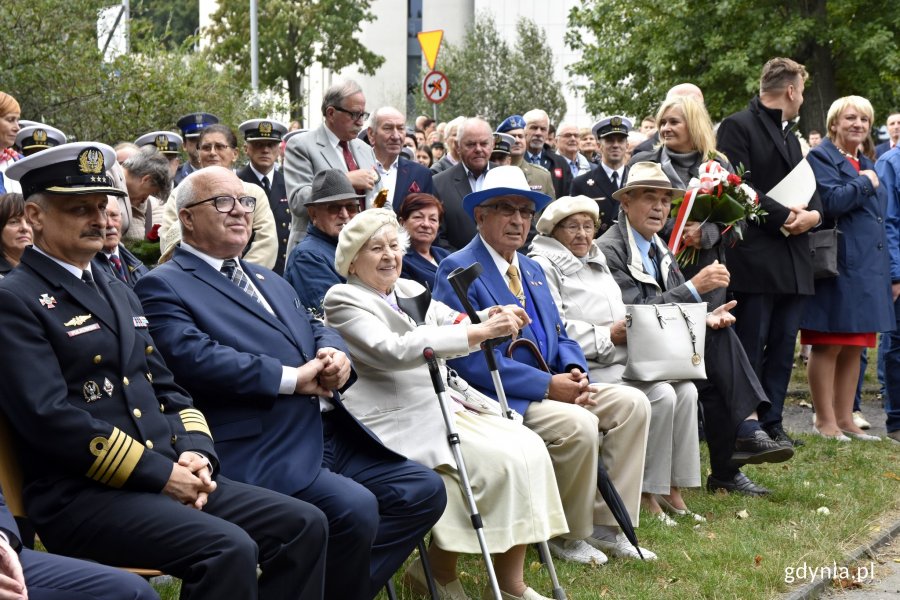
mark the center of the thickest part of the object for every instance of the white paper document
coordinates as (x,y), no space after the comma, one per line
(796,188)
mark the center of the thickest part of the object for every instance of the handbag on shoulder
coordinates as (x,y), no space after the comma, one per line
(665,341)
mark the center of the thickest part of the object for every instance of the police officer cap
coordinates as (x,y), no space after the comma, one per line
(291,134)
(35,138)
(510,123)
(610,125)
(190,125)
(166,142)
(502,143)
(256,130)
(70,169)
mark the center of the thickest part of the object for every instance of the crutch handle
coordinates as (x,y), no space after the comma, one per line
(433,369)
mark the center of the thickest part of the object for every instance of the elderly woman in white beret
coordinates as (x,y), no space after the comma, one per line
(590,303)
(508,465)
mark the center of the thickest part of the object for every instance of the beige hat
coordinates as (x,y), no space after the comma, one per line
(357,232)
(647,174)
(564,207)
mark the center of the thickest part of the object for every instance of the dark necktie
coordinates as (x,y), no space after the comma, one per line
(348,156)
(615,180)
(264,182)
(118,269)
(653,253)
(231,271)
(88,279)
(534,159)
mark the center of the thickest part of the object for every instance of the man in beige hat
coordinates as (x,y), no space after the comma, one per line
(648,273)
(564,409)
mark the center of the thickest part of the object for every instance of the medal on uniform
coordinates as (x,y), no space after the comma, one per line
(48,301)
(77,321)
(91,391)
(107,386)
(139,321)
(590,182)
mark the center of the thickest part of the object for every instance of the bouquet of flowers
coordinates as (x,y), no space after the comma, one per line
(147,249)
(715,196)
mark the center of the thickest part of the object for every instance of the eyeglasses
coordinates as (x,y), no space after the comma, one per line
(508,210)
(356,116)
(225,204)
(335,209)
(574,228)
(219,148)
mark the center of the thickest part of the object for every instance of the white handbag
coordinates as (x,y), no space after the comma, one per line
(665,341)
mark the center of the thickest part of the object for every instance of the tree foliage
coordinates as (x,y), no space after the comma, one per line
(174,23)
(633,51)
(492,79)
(59,77)
(293,35)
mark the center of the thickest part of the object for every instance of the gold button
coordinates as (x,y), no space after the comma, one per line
(137,413)
(149,444)
(125,380)
(162,408)
(97,359)
(149,350)
(174,439)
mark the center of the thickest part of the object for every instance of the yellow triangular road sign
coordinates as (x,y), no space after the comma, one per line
(431,43)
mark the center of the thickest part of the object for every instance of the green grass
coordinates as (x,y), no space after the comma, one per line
(731,557)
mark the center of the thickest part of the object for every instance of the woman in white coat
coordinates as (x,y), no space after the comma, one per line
(508,465)
(590,303)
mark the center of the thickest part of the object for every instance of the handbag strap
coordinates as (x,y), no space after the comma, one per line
(690,327)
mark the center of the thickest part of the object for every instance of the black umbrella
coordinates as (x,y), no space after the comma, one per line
(460,279)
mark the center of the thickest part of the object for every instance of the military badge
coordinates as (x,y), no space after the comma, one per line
(77,321)
(91,391)
(616,121)
(590,182)
(265,129)
(90,160)
(162,142)
(85,329)
(107,386)
(140,321)
(48,301)
(40,136)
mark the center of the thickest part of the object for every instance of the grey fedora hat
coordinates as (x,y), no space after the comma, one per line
(332,185)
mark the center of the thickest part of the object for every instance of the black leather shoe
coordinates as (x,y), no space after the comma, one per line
(760,448)
(778,434)
(740,484)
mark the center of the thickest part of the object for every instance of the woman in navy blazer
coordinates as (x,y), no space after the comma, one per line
(421,215)
(848,309)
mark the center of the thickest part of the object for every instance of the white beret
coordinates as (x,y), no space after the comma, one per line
(564,207)
(357,232)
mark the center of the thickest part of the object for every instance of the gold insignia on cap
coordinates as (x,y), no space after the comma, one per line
(40,136)
(193,420)
(90,161)
(77,321)
(265,129)
(117,456)
(162,142)
(615,122)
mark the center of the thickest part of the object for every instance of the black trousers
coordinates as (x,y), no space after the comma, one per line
(728,395)
(214,552)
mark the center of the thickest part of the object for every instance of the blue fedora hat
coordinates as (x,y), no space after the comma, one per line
(504,181)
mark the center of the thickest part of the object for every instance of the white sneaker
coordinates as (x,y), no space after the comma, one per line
(576,551)
(860,421)
(620,548)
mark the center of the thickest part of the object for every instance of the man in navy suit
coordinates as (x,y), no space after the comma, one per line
(262,144)
(608,176)
(50,577)
(268,376)
(551,404)
(893,129)
(115,258)
(399,176)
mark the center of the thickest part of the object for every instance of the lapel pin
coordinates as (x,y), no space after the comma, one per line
(48,301)
(590,182)
(259,276)
(91,391)
(139,321)
(107,386)
(77,321)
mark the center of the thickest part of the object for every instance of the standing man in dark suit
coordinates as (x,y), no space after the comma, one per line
(262,144)
(332,145)
(119,467)
(893,129)
(771,269)
(191,125)
(268,375)
(115,258)
(609,175)
(399,176)
(47,576)
(476,141)
(538,152)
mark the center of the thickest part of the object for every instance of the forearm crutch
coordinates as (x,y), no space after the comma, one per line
(453,440)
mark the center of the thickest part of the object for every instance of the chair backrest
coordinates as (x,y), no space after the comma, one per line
(10,472)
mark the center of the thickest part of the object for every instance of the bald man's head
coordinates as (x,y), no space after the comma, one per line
(686,89)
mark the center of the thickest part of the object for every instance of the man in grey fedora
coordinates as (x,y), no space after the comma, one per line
(310,266)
